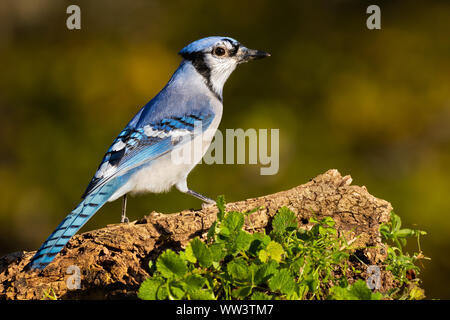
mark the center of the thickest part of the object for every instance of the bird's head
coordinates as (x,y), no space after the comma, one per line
(215,58)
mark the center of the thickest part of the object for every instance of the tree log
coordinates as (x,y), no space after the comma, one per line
(113,261)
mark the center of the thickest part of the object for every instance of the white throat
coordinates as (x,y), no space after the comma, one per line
(219,75)
(213,72)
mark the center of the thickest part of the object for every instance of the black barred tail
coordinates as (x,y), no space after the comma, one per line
(70,225)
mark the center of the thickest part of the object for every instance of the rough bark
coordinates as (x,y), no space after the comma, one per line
(113,261)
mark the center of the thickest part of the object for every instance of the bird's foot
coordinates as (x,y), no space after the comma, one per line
(207,202)
(207,205)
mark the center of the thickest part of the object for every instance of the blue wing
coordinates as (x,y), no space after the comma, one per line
(131,149)
(137,145)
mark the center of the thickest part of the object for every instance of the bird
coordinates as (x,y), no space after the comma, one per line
(140,159)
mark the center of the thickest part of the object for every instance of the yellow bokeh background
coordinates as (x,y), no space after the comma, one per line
(374,104)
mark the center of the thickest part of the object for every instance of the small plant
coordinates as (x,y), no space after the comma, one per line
(49,295)
(402,266)
(287,263)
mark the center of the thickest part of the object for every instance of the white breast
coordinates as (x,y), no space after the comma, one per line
(163,173)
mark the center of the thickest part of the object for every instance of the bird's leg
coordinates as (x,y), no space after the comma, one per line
(182,186)
(207,202)
(124,218)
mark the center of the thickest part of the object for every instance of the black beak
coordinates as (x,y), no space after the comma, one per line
(251,54)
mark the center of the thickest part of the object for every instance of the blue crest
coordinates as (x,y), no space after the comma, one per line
(203,44)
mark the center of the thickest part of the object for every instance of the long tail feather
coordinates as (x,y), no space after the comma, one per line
(70,225)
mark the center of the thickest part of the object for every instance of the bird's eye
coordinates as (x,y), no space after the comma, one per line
(219,51)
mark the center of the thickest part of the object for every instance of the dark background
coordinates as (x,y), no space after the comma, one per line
(372,104)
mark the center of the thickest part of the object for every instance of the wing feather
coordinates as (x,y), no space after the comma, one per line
(136,146)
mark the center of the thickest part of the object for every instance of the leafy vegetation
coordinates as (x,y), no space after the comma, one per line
(49,294)
(287,263)
(402,266)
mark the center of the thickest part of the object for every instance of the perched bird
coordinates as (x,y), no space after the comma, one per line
(141,158)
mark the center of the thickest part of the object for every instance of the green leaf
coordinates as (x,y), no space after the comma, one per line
(212,231)
(234,221)
(284,220)
(202,295)
(416,293)
(360,290)
(221,206)
(194,282)
(328,221)
(282,281)
(274,251)
(242,292)
(201,252)
(224,233)
(404,233)
(327,231)
(263,256)
(171,265)
(259,242)
(189,254)
(149,289)
(396,222)
(242,241)
(297,264)
(357,291)
(162,294)
(217,251)
(238,269)
(176,291)
(302,291)
(264,272)
(151,267)
(260,296)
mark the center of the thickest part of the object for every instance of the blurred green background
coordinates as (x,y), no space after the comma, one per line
(373,104)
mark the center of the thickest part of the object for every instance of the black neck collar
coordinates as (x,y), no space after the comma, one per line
(198,61)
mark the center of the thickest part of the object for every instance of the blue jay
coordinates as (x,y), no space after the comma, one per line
(140,158)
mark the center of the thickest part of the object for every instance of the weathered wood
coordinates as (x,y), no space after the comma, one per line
(113,261)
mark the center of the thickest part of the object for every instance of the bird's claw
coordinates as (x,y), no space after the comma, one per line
(207,205)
